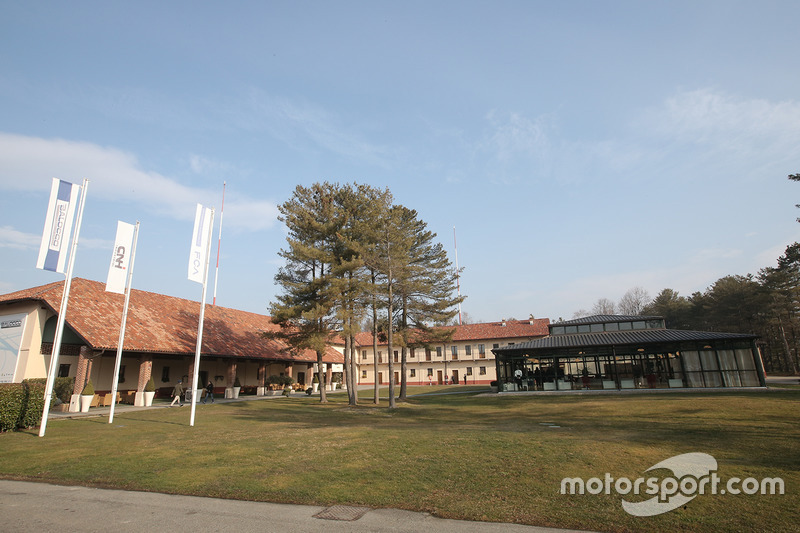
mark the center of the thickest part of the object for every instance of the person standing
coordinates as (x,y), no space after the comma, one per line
(177,392)
(209,392)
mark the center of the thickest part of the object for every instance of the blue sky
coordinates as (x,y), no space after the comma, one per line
(579,148)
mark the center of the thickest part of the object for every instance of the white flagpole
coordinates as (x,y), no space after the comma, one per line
(128,284)
(219,244)
(196,373)
(51,374)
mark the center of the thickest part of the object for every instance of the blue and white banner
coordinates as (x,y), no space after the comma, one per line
(120,258)
(201,237)
(58,226)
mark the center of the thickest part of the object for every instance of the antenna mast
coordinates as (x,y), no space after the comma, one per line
(458,285)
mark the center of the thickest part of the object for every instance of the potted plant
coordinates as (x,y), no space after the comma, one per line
(315,383)
(149,392)
(237,386)
(87,395)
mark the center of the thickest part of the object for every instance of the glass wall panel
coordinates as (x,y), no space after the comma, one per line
(709,360)
(727,364)
(713,379)
(745,359)
(749,378)
(694,379)
(691,361)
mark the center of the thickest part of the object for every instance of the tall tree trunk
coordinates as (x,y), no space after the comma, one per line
(404,350)
(376,398)
(791,365)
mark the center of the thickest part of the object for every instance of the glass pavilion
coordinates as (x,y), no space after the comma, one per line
(628,352)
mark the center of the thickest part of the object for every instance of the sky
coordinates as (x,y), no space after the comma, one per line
(573,150)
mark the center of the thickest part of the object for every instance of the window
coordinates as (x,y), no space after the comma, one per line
(511,343)
(438,351)
(411,353)
(380,356)
(468,349)
(413,372)
(469,370)
(364,374)
(495,346)
(427,354)
(396,356)
(584,328)
(482,371)
(596,328)
(481,351)
(63,370)
(454,353)
(363,354)
(430,372)
(165,374)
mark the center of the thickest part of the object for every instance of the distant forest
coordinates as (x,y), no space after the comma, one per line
(767,305)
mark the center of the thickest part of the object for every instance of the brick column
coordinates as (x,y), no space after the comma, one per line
(84,370)
(288,369)
(262,374)
(145,371)
(231,373)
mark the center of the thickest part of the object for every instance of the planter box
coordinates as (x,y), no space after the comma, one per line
(86,401)
(549,385)
(627,384)
(609,384)
(676,384)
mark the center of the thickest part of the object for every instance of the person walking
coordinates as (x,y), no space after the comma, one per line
(209,392)
(177,392)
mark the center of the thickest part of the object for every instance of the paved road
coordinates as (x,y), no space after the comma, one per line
(40,507)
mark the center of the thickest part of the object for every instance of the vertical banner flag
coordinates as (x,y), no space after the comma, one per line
(203,220)
(58,226)
(120,258)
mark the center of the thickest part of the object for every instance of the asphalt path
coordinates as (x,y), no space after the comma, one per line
(41,507)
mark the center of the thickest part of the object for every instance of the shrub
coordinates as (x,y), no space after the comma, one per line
(88,389)
(12,399)
(33,406)
(151,385)
(62,389)
(236,382)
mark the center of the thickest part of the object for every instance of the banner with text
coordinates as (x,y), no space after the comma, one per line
(120,258)
(200,240)
(54,248)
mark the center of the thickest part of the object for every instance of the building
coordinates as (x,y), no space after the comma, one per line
(468,355)
(160,340)
(628,352)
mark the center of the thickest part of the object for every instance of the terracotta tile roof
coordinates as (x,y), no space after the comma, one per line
(508,329)
(163,324)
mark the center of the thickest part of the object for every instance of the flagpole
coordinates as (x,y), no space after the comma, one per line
(196,372)
(51,374)
(128,284)
(219,244)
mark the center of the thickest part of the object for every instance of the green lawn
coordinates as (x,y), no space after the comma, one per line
(455,455)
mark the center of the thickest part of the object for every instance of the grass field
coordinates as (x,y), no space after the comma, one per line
(468,456)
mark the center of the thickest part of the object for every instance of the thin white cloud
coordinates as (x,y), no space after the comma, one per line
(298,124)
(742,129)
(29,164)
(12,238)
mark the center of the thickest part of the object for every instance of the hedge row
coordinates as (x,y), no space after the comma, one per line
(21,404)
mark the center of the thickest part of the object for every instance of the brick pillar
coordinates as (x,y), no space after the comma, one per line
(84,370)
(145,371)
(262,374)
(231,373)
(288,369)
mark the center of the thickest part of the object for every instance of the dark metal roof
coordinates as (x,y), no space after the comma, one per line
(620,338)
(603,319)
